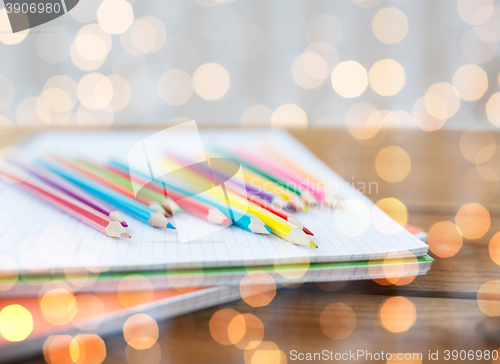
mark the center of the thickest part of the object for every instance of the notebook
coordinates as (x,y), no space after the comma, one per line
(394,270)
(110,320)
(36,238)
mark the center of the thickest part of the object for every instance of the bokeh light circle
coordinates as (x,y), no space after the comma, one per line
(349,79)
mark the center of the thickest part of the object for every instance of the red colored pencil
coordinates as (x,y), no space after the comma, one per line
(279,212)
(68,204)
(113,185)
(194,207)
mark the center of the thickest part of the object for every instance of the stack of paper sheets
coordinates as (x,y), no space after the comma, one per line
(41,243)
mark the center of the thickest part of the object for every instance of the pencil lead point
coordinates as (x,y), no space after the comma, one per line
(311,244)
(268,229)
(307,231)
(124,224)
(126,235)
(170,226)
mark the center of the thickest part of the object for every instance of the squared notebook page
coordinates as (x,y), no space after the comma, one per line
(37,237)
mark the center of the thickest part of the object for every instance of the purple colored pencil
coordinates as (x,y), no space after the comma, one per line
(62,185)
(250,189)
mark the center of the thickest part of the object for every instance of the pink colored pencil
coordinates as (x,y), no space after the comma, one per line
(276,169)
(194,207)
(68,204)
(66,187)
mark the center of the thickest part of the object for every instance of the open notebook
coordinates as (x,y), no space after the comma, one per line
(38,238)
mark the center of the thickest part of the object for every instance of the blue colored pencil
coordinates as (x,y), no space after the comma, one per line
(116,199)
(238,217)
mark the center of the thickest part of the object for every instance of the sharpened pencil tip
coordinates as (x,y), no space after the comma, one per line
(311,244)
(226,222)
(124,224)
(170,226)
(268,229)
(126,235)
(307,231)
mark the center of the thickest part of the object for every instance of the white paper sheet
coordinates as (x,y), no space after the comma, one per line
(35,237)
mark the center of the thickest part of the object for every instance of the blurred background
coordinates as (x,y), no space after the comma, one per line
(363,64)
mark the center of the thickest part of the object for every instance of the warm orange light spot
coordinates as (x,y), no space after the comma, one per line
(130,297)
(397,314)
(395,209)
(493,109)
(140,331)
(445,239)
(473,220)
(89,312)
(295,272)
(219,324)
(149,356)
(494,248)
(363,121)
(58,306)
(475,12)
(16,323)
(423,119)
(390,25)
(393,164)
(399,268)
(337,320)
(175,87)
(349,79)
(236,329)
(309,70)
(87,349)
(266,352)
(387,77)
(257,288)
(471,82)
(59,349)
(289,116)
(246,331)
(477,145)
(211,81)
(488,298)
(489,174)
(442,100)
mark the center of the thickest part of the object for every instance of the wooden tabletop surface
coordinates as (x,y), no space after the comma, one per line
(448,316)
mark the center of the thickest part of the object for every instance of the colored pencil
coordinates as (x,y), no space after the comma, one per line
(256,165)
(93,174)
(240,218)
(191,205)
(111,196)
(199,175)
(68,204)
(70,189)
(217,172)
(150,197)
(329,198)
(292,199)
(279,212)
(278,226)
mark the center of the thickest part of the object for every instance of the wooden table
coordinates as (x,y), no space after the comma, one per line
(447,312)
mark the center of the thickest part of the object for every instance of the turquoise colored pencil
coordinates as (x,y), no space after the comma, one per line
(112,197)
(238,217)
